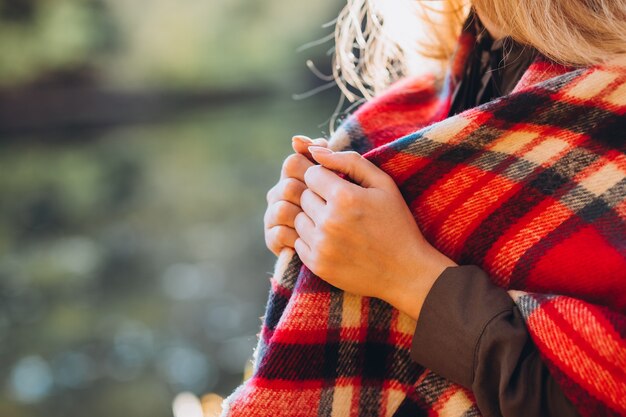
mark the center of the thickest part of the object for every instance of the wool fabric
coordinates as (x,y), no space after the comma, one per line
(531,187)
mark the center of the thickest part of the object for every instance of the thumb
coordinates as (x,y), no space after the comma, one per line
(354,165)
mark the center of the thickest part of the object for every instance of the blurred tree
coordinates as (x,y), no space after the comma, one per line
(17,10)
(148,43)
(42,36)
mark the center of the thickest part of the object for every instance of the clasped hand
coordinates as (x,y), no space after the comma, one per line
(357,235)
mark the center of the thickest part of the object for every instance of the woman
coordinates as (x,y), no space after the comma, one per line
(350,225)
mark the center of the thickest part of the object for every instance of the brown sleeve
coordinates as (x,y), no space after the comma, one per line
(471,332)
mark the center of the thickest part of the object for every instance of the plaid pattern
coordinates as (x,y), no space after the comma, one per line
(531,187)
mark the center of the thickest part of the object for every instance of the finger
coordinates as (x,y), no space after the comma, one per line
(280,236)
(313,205)
(294,166)
(353,164)
(303,250)
(301,145)
(321,142)
(326,183)
(281,212)
(305,228)
(288,189)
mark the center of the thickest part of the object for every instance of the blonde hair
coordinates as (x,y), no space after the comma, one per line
(379,41)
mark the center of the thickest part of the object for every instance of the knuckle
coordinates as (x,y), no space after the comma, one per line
(345,198)
(334,193)
(322,241)
(269,196)
(266,218)
(288,163)
(308,175)
(303,217)
(281,234)
(298,220)
(292,189)
(292,163)
(306,194)
(298,244)
(270,240)
(283,210)
(387,181)
(352,156)
(320,142)
(320,244)
(312,173)
(327,225)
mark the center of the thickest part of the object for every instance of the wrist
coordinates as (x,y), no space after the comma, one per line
(410,295)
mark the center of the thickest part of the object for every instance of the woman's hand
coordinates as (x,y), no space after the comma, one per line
(283,199)
(362,237)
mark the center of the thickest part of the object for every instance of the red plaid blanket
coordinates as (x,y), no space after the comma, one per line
(531,187)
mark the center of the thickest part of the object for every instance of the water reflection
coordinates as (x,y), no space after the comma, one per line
(31,379)
(234,352)
(73,369)
(119,290)
(186,368)
(192,281)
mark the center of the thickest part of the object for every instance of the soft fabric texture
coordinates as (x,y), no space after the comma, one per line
(530,187)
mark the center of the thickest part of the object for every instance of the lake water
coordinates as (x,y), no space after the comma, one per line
(132,260)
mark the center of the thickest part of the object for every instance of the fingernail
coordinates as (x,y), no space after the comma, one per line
(302,139)
(319,150)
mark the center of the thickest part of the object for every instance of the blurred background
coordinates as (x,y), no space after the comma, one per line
(138,139)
